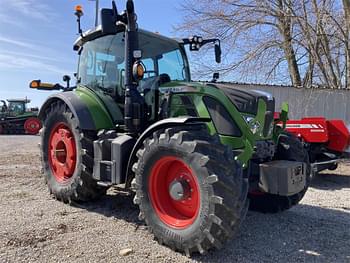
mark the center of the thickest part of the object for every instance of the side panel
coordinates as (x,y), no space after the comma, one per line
(247,139)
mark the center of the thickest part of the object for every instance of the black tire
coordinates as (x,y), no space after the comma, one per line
(80,186)
(223,201)
(292,149)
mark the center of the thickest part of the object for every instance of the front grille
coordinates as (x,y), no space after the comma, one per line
(264,150)
(244,101)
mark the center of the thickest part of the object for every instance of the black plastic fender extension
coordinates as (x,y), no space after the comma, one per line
(76,105)
(162,124)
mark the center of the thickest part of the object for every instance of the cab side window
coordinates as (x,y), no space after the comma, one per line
(101,65)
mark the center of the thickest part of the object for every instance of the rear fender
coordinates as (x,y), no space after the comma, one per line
(163,124)
(81,109)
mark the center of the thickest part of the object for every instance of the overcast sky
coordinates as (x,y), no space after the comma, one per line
(36,39)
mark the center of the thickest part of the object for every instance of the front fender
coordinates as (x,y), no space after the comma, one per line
(162,124)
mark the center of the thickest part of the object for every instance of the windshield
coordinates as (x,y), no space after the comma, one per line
(17,107)
(102,62)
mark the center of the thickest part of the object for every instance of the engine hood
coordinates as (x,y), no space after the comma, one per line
(246,100)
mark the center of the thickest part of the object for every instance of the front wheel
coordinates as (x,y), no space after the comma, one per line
(189,189)
(67,156)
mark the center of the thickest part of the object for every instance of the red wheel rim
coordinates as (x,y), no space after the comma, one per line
(174,213)
(32,126)
(62,153)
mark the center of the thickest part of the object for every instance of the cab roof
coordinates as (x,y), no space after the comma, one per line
(19,100)
(97,33)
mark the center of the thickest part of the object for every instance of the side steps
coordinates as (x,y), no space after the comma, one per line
(111,156)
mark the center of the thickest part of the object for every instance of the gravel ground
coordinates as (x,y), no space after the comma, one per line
(34,227)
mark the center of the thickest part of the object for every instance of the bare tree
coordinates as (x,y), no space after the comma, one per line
(285,26)
(272,39)
(318,36)
(255,33)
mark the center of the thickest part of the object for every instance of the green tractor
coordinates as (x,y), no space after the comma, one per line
(193,153)
(16,118)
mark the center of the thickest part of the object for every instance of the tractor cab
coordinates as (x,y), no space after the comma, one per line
(17,106)
(102,61)
(13,107)
(102,67)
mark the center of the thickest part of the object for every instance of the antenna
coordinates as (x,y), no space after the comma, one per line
(114,8)
(96,11)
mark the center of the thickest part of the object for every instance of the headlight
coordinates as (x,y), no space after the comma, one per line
(254,127)
(248,119)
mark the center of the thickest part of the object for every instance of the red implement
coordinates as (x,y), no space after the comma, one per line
(333,133)
(339,136)
(327,141)
(311,130)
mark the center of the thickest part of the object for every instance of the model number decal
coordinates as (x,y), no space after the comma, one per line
(177,89)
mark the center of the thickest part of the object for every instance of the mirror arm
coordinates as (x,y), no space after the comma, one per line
(187,41)
(212,40)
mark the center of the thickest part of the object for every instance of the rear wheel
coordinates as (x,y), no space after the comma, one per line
(189,189)
(67,156)
(289,148)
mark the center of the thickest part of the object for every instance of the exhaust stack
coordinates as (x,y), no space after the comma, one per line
(134,102)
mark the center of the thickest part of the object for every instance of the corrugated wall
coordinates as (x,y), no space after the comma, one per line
(333,104)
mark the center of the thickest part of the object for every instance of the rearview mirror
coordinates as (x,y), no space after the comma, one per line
(66,79)
(108,22)
(217,53)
